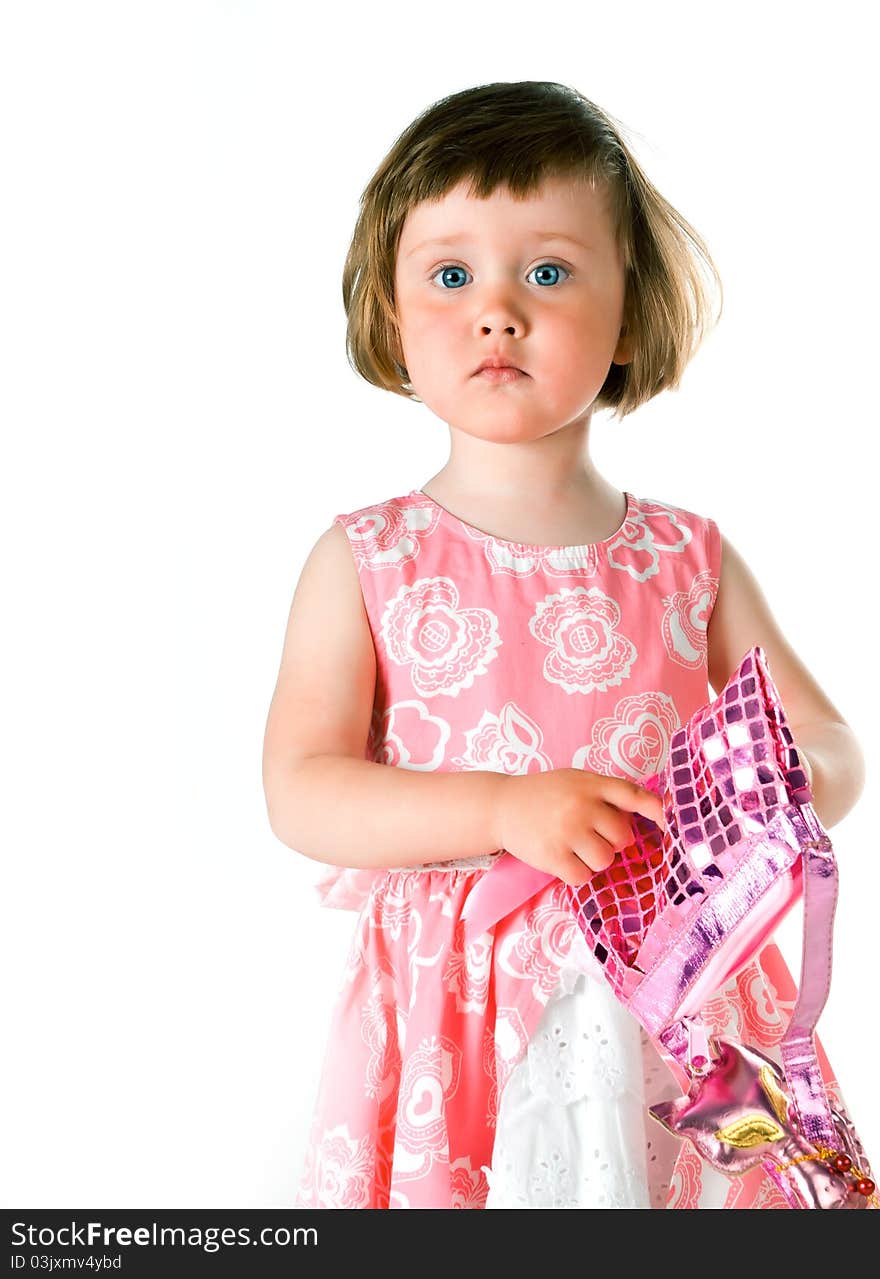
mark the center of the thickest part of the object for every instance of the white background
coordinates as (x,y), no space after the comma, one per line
(181,423)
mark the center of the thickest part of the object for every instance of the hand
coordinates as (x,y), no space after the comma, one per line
(568,822)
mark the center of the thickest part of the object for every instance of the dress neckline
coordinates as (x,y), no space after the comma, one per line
(530,547)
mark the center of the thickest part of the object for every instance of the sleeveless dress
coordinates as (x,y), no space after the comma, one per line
(501,1071)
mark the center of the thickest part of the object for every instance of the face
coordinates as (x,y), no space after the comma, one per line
(505,286)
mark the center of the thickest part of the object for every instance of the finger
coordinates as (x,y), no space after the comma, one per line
(652,809)
(637,799)
(615,827)
(596,852)
(576,873)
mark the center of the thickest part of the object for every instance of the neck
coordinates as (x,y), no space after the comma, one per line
(545,471)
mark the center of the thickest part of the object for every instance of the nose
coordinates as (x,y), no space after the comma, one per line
(497,310)
(500,319)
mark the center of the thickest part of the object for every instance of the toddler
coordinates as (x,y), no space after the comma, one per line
(493,660)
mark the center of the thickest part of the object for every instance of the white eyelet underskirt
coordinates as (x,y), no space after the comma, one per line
(573,1125)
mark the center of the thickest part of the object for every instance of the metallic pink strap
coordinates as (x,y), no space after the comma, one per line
(798,1046)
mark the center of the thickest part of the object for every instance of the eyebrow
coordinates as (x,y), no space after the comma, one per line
(462,236)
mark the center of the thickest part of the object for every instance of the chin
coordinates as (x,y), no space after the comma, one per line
(504,432)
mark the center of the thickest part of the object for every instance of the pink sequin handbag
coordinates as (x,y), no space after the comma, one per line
(683,909)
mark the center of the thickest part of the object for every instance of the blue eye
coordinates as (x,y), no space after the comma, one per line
(550,266)
(544,266)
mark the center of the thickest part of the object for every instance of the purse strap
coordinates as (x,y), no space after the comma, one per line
(799,1059)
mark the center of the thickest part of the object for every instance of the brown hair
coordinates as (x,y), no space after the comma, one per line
(517,135)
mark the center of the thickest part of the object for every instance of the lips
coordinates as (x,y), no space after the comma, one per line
(494,365)
(503,376)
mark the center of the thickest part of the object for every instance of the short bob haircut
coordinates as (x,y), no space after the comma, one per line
(517,135)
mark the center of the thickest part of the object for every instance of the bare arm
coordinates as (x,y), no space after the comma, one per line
(741,617)
(324,799)
(353,812)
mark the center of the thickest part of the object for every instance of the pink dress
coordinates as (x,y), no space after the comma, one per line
(501,1071)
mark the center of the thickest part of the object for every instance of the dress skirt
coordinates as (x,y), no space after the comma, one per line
(502,1072)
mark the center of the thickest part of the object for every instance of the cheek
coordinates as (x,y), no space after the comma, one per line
(565,344)
(586,334)
(429,330)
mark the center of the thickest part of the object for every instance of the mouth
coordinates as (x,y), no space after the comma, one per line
(507,373)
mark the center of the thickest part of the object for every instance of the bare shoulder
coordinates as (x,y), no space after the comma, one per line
(323,697)
(330,564)
(742,617)
(327,600)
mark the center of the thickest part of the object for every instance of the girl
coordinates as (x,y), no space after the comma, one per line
(518,640)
